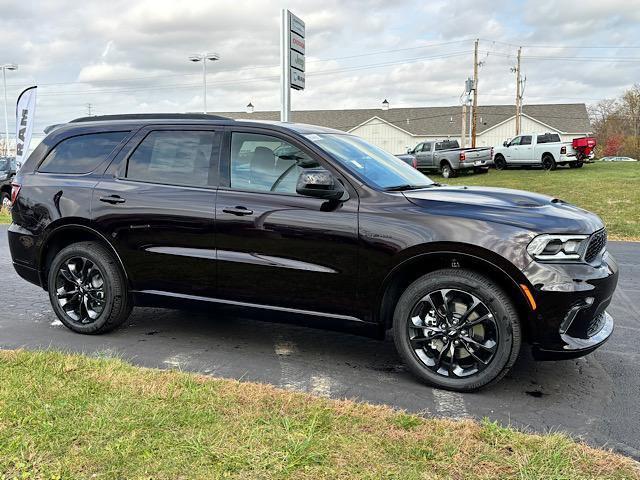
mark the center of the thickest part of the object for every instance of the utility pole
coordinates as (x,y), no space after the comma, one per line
(475,96)
(518,94)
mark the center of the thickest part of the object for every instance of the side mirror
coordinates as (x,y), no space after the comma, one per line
(319,183)
(505,144)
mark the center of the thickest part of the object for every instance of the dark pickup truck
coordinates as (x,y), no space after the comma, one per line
(7,172)
(447,157)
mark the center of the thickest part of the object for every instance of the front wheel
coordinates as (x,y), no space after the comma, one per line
(456,329)
(447,171)
(87,289)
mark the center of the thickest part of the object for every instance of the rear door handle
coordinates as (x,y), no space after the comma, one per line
(239,211)
(113,199)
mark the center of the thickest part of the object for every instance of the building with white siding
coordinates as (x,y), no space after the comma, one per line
(396,129)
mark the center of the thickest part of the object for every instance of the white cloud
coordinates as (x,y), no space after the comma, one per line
(124,56)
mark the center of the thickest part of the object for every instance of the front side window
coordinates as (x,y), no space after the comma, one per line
(515,142)
(81,154)
(266,164)
(176,157)
(375,166)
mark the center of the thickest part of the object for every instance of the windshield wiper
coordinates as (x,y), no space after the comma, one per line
(401,188)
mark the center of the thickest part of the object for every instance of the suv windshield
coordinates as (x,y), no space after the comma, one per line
(375,166)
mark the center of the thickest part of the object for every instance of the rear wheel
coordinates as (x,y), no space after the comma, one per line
(548,162)
(456,329)
(447,171)
(87,289)
(500,163)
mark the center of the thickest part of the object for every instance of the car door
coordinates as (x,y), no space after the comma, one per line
(525,150)
(512,152)
(275,247)
(424,158)
(156,203)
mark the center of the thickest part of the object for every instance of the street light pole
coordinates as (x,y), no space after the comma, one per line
(8,66)
(203,57)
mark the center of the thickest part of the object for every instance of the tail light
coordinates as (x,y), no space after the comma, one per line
(15,190)
(563,150)
(462,156)
(414,162)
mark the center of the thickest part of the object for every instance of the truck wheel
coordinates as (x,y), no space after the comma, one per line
(456,329)
(500,163)
(447,171)
(87,289)
(548,162)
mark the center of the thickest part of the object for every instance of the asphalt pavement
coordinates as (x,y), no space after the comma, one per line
(594,398)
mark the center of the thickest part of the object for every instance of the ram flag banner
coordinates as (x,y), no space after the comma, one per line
(25,117)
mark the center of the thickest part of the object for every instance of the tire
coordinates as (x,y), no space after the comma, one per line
(500,162)
(105,303)
(5,201)
(548,162)
(447,171)
(462,286)
(481,170)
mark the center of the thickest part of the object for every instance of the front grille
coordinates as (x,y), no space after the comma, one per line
(597,243)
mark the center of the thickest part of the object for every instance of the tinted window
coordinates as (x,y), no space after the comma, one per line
(447,145)
(176,158)
(548,138)
(427,147)
(265,163)
(526,140)
(81,154)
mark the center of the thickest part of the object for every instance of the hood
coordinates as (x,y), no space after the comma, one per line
(532,211)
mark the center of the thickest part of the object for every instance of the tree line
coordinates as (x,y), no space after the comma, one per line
(616,124)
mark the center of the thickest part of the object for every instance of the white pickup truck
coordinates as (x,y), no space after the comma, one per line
(540,149)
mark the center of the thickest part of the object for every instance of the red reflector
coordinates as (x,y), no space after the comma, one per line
(414,162)
(462,156)
(15,190)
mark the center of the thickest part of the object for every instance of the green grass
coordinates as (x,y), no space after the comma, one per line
(64,416)
(612,190)
(5,217)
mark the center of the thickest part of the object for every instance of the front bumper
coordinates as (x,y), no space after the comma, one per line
(571,319)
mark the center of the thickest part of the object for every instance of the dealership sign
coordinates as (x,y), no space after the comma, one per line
(296,52)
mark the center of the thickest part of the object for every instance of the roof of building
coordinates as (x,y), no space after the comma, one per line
(422,121)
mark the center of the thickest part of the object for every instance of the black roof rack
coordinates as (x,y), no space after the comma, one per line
(150,116)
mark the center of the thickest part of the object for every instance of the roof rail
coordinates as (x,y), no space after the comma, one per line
(150,116)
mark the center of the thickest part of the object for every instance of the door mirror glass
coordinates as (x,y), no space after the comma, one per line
(319,183)
(505,144)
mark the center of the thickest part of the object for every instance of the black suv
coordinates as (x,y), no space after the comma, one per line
(168,210)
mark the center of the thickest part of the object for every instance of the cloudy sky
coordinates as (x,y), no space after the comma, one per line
(131,55)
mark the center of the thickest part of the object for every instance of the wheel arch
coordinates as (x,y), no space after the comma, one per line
(477,259)
(61,236)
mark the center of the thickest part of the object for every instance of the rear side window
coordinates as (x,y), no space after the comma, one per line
(526,140)
(548,138)
(176,158)
(81,154)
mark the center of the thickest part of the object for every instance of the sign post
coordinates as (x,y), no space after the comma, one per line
(292,62)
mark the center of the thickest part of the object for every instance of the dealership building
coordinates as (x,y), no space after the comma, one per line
(396,129)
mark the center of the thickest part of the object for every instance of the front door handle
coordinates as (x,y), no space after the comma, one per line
(113,199)
(239,211)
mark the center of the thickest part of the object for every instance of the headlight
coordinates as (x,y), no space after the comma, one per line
(558,247)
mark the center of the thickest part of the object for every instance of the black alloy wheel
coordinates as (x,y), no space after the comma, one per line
(500,163)
(548,163)
(456,329)
(87,288)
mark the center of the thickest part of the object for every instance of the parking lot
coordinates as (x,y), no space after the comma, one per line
(594,398)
